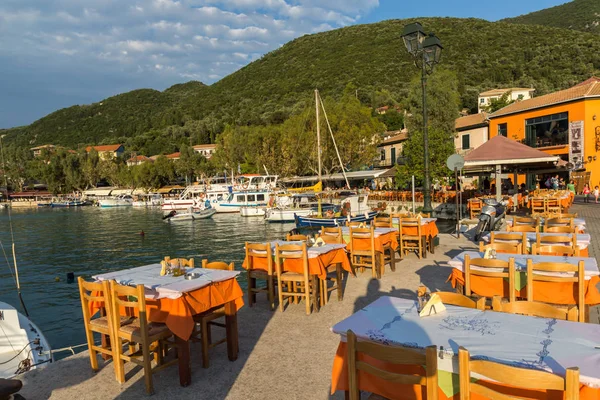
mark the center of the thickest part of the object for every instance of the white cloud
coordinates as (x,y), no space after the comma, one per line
(118,45)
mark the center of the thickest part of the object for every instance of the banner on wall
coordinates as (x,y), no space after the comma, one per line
(576,144)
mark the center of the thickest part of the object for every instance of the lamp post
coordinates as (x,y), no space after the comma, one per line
(426,50)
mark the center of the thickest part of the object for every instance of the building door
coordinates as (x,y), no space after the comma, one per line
(530,136)
(393,156)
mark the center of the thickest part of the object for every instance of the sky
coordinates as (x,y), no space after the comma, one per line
(57,53)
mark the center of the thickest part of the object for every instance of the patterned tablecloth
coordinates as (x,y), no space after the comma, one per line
(529,342)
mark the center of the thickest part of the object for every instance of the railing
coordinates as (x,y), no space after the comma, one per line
(545,142)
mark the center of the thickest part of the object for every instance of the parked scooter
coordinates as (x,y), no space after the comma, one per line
(491,217)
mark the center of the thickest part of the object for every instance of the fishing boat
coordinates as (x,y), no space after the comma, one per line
(23,347)
(124,200)
(285,209)
(189,215)
(354,209)
(236,200)
(67,203)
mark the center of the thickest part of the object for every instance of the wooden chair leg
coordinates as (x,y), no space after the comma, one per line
(271,291)
(147,368)
(251,294)
(119,367)
(93,353)
(307,296)
(315,292)
(338,274)
(204,334)
(280,294)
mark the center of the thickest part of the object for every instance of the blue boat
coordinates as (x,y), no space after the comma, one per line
(305,222)
(68,203)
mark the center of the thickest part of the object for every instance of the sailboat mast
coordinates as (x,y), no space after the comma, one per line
(319,210)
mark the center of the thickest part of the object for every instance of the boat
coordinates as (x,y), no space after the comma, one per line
(354,209)
(23,346)
(4,204)
(123,200)
(236,200)
(147,200)
(67,203)
(218,189)
(284,209)
(190,215)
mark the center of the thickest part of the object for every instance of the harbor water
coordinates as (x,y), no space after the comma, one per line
(50,243)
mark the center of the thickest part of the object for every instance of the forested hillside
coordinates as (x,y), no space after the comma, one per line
(580,15)
(268,91)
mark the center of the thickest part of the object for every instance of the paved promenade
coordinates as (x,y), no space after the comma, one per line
(282,355)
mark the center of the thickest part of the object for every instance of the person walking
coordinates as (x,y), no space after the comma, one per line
(586,193)
(571,186)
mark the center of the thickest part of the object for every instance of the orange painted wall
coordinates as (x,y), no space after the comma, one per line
(582,110)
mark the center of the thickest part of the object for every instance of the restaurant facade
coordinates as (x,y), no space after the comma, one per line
(564,123)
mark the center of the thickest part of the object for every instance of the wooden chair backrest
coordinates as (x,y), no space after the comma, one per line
(291,252)
(259,250)
(559,222)
(534,309)
(555,240)
(97,292)
(560,229)
(410,222)
(424,215)
(500,247)
(486,269)
(508,237)
(572,273)
(400,215)
(552,202)
(382,222)
(538,205)
(295,238)
(354,224)
(394,355)
(460,300)
(555,250)
(475,204)
(218,265)
(513,376)
(525,221)
(180,262)
(332,235)
(362,234)
(523,228)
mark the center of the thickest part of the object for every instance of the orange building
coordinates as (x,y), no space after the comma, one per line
(564,123)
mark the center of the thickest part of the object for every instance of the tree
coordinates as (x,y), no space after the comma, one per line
(501,102)
(442,104)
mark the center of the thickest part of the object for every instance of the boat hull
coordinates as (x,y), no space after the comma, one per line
(114,203)
(252,211)
(22,333)
(204,214)
(284,216)
(305,222)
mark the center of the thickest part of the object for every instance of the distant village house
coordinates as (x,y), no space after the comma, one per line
(390,148)
(108,152)
(37,151)
(206,150)
(471,132)
(516,94)
(138,160)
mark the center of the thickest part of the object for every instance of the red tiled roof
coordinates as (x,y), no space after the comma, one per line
(394,137)
(108,147)
(471,120)
(501,148)
(139,158)
(173,155)
(589,80)
(578,92)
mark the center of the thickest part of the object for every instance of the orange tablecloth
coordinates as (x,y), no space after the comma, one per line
(178,313)
(380,241)
(316,265)
(429,230)
(369,383)
(547,292)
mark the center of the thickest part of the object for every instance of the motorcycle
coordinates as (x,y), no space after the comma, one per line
(491,216)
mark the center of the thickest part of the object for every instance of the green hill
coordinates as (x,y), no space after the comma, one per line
(580,15)
(483,54)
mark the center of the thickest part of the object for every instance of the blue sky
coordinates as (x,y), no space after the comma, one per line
(58,53)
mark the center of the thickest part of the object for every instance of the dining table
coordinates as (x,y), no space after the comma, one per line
(383,237)
(174,300)
(547,292)
(320,257)
(583,239)
(521,341)
(429,231)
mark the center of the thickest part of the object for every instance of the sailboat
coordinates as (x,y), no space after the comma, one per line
(23,347)
(354,208)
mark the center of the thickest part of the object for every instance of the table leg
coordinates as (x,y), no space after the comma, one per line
(183,355)
(424,243)
(231,328)
(339,276)
(432,244)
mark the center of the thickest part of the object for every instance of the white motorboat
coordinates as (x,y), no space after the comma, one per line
(252,211)
(286,208)
(190,215)
(148,200)
(117,201)
(23,347)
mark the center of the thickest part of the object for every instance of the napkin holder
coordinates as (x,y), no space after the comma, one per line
(433,306)
(319,242)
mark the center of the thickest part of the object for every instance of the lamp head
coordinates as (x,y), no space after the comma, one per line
(432,47)
(413,37)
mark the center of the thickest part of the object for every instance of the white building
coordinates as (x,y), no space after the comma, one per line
(206,150)
(516,94)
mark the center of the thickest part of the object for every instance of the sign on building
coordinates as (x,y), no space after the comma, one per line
(576,144)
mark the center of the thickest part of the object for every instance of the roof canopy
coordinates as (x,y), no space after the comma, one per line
(500,150)
(369,174)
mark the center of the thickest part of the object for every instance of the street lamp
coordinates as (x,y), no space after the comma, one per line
(426,50)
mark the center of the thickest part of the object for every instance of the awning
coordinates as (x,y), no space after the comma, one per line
(117,192)
(353,175)
(98,191)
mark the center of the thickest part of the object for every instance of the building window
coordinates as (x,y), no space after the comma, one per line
(548,130)
(521,97)
(382,155)
(482,101)
(503,129)
(466,142)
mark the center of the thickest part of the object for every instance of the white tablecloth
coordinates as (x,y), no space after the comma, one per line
(517,340)
(377,231)
(312,252)
(590,264)
(578,222)
(168,286)
(583,240)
